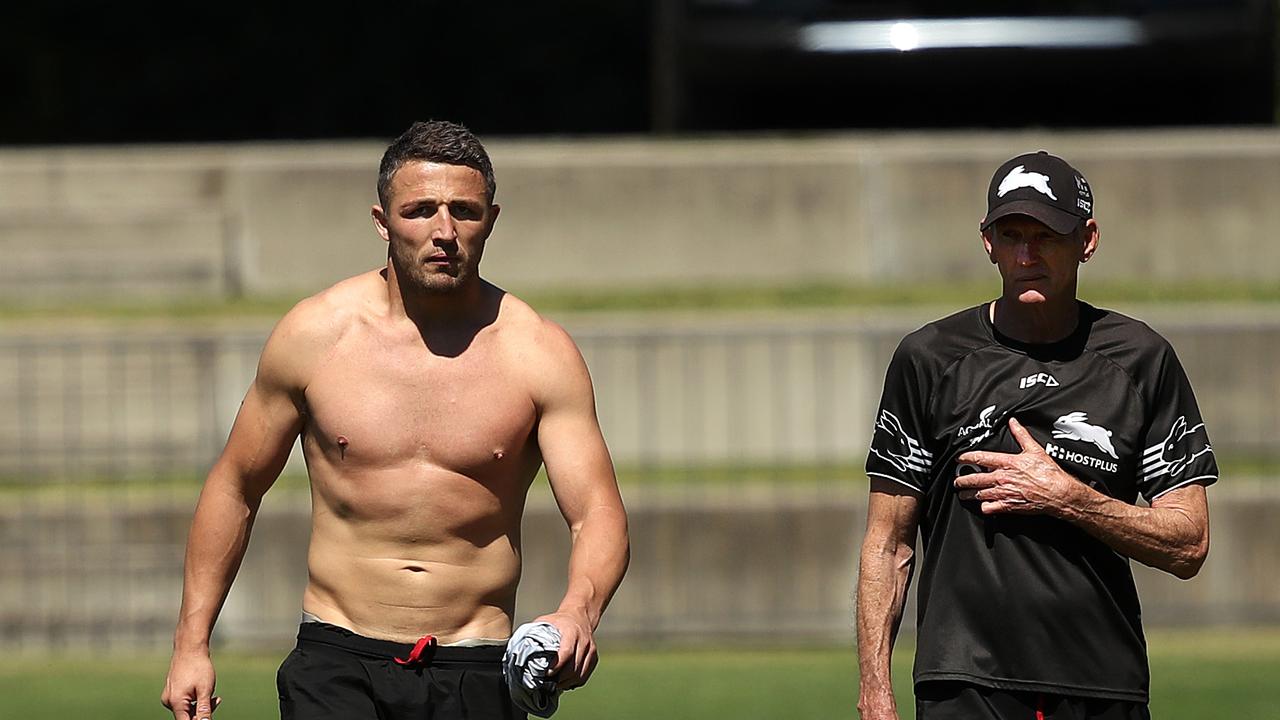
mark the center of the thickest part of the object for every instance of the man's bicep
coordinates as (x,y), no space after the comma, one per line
(1191,500)
(1176,452)
(263,433)
(901,448)
(578,465)
(569,438)
(269,418)
(893,511)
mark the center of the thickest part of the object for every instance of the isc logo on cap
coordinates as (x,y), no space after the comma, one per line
(1084,199)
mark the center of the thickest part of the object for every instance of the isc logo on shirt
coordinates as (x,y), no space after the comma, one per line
(1038,378)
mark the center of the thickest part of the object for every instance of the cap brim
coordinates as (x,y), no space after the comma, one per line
(1059,221)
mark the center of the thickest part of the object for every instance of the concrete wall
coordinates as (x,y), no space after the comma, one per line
(753,563)
(290,219)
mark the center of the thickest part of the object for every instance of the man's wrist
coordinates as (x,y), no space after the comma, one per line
(187,640)
(190,648)
(1077,499)
(877,701)
(580,609)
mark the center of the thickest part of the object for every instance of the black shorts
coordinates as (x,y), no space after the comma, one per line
(946,700)
(335,674)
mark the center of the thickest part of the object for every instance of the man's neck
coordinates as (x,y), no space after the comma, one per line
(1035,323)
(460,309)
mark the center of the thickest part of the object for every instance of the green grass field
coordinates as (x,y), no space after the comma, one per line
(1234,465)
(679,298)
(1199,675)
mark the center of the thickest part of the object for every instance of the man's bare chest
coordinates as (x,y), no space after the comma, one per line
(381,409)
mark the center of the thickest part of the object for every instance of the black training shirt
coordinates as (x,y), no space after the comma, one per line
(1028,602)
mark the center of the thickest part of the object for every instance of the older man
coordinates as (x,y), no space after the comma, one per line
(1016,437)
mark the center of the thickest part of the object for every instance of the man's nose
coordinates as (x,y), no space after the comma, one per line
(446,229)
(1028,252)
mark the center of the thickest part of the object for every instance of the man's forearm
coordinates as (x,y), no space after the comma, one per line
(597,562)
(1172,538)
(883,576)
(1171,535)
(215,547)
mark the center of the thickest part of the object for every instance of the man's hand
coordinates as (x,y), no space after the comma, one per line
(578,656)
(188,691)
(1028,483)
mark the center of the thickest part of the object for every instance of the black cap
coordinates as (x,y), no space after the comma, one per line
(1041,186)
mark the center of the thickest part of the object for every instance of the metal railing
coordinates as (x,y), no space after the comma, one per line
(735,439)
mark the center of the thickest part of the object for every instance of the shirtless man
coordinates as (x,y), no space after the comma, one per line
(427,399)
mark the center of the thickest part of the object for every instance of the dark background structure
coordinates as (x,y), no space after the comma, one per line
(116,72)
(99,72)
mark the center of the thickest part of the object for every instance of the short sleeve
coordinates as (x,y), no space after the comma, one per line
(898,451)
(1176,449)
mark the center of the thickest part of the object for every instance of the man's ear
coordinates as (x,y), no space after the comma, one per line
(986,244)
(380,222)
(494,209)
(1090,235)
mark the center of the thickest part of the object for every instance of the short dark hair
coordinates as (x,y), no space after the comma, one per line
(437,141)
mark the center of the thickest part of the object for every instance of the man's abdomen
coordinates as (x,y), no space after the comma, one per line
(432,552)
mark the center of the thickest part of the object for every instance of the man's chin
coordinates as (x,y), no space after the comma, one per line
(440,283)
(442,286)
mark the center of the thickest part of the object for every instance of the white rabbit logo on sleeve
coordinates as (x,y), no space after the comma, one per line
(893,445)
(1182,446)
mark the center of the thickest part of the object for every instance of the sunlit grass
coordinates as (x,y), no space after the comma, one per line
(1237,467)
(682,298)
(1196,674)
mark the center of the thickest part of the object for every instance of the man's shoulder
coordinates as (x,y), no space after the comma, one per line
(541,351)
(317,322)
(948,338)
(1121,336)
(526,330)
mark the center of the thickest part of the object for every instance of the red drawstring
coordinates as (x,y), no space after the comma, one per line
(415,655)
(1039,707)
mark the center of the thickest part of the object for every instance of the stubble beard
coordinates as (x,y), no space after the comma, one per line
(414,274)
